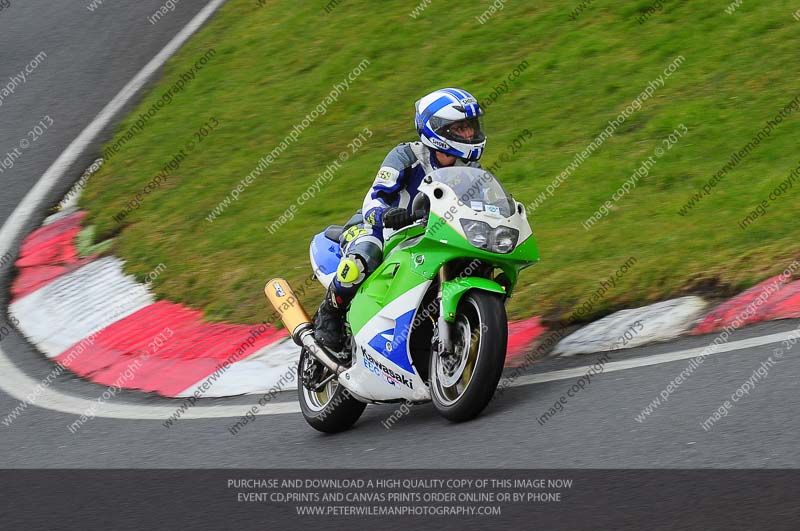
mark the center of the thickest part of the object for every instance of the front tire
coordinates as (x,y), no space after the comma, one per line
(463,385)
(330,409)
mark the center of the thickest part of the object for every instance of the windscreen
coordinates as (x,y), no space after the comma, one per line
(476,188)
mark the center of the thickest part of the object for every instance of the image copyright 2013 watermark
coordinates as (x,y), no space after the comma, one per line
(325,177)
(168,7)
(741,155)
(494,7)
(551,339)
(38,130)
(503,87)
(77,350)
(20,78)
(266,161)
(760,374)
(739,321)
(168,169)
(742,391)
(641,172)
(5,260)
(783,188)
(633,107)
(166,98)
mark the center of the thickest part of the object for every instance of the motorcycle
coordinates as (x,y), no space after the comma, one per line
(430,323)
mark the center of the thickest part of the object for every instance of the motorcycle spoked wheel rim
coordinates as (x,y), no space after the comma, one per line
(468,343)
(318,400)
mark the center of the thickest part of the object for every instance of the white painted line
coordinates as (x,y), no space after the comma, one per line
(13,381)
(15,223)
(70,201)
(18,385)
(656,359)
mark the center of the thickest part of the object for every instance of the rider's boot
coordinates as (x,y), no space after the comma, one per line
(329,320)
(329,323)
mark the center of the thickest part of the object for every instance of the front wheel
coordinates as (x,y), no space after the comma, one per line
(329,408)
(463,383)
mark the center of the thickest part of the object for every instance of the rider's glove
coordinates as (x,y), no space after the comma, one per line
(396,218)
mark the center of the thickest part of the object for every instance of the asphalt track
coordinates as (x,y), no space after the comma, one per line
(90,58)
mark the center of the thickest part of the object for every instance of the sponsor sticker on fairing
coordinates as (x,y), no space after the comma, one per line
(492,209)
(379,369)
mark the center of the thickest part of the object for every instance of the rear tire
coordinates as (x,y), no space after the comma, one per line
(331,409)
(480,338)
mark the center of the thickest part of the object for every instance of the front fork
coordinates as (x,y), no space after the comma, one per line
(445,340)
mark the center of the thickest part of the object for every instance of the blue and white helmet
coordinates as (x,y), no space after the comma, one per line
(449,120)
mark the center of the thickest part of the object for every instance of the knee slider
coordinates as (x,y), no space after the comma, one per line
(351,271)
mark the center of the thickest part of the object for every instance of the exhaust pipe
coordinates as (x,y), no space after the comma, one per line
(297,322)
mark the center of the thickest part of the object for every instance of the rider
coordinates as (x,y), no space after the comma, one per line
(448,123)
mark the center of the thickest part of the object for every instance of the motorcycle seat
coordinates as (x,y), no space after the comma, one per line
(334,232)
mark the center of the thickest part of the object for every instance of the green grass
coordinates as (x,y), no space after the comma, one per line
(275,64)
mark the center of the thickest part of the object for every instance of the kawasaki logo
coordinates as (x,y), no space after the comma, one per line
(391,376)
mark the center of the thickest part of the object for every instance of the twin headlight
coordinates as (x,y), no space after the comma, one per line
(500,240)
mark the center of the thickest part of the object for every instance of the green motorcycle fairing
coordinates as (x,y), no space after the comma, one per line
(414,256)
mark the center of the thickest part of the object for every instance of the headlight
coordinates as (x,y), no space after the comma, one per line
(477,233)
(505,239)
(500,240)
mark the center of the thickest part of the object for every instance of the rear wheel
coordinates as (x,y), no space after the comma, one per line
(463,383)
(329,407)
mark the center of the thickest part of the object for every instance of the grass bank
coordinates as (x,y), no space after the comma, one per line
(261,120)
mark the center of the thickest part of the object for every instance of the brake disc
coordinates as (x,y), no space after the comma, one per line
(449,376)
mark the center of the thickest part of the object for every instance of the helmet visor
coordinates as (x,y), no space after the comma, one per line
(465,131)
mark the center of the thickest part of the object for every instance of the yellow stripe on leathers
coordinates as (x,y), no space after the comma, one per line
(286,304)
